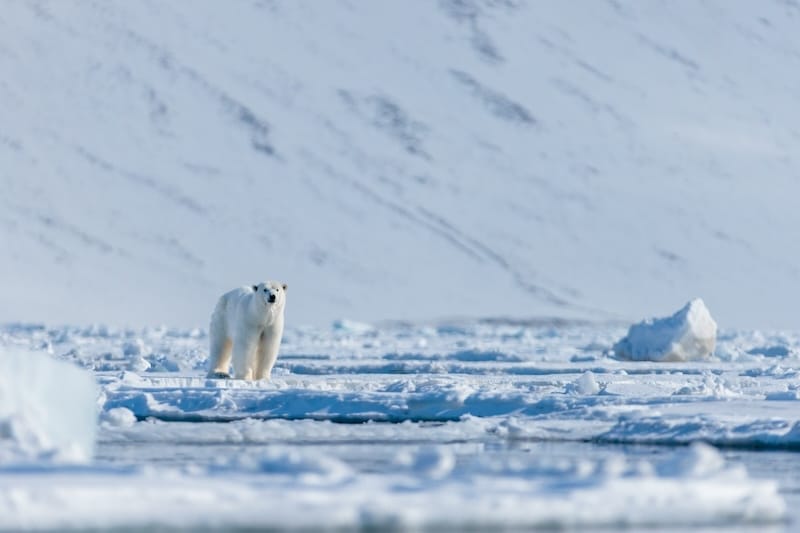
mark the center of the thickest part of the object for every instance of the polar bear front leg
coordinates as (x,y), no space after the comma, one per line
(245,349)
(267,354)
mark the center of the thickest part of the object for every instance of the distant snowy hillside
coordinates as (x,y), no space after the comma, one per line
(393,159)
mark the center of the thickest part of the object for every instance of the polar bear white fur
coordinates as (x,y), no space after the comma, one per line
(247,323)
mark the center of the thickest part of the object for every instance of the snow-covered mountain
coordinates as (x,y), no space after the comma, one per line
(404,160)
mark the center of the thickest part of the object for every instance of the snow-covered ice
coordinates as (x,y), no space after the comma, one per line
(688,335)
(284,487)
(48,409)
(399,425)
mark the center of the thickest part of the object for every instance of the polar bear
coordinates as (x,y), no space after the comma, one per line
(247,323)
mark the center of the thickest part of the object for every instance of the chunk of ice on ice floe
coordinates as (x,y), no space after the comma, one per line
(48,409)
(688,335)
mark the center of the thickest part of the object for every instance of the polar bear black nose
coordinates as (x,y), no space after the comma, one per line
(271,298)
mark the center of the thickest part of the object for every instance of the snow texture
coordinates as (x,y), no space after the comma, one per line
(48,409)
(304,490)
(426,163)
(520,159)
(407,426)
(688,335)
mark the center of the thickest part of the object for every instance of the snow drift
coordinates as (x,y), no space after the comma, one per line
(48,409)
(688,335)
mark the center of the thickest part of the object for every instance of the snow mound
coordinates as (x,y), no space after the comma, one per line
(47,409)
(688,335)
(585,385)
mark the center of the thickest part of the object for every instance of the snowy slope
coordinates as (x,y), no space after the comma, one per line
(399,160)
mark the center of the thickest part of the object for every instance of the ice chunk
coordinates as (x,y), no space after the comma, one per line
(119,417)
(688,335)
(585,385)
(47,409)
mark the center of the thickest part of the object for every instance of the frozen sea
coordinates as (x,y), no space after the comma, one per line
(464,425)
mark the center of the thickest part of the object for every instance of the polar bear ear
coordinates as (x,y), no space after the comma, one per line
(255,288)
(285,286)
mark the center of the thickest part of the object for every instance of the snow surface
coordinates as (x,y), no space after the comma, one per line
(449,158)
(48,409)
(285,488)
(399,161)
(412,426)
(688,335)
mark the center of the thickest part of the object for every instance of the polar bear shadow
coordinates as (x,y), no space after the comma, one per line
(246,329)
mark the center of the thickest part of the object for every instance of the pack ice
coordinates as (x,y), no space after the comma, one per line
(461,425)
(47,409)
(688,335)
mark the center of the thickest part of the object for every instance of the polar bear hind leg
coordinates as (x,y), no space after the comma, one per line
(219,356)
(219,353)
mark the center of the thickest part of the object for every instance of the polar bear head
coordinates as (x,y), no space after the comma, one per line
(272,293)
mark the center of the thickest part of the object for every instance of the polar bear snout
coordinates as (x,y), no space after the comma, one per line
(269,293)
(269,296)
